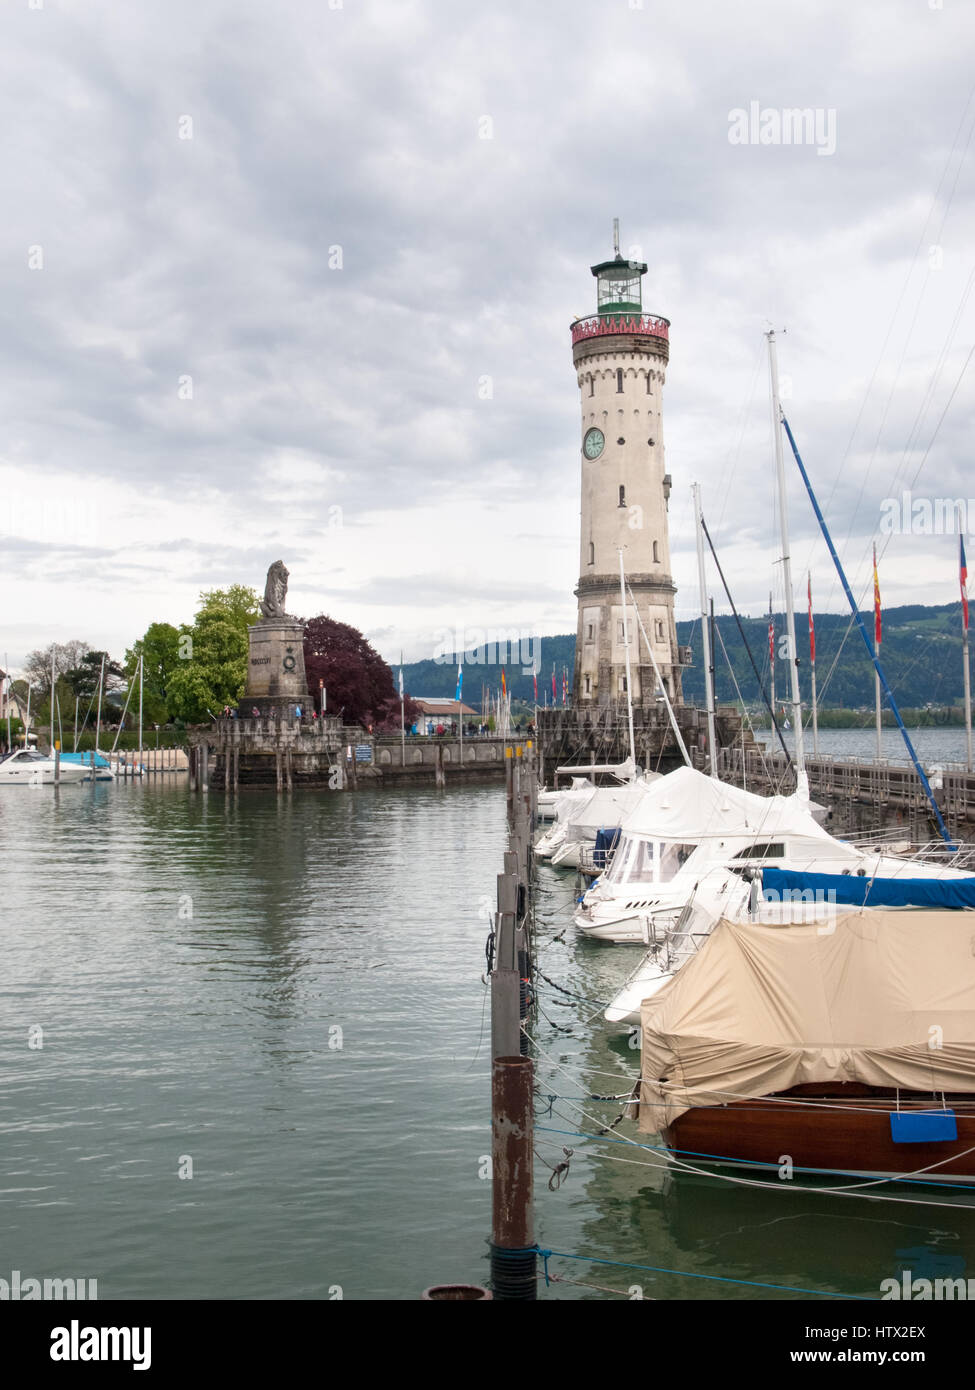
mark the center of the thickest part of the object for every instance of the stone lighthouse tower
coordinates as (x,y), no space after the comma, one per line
(620,356)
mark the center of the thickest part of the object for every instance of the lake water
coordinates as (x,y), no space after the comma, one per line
(941,745)
(190,962)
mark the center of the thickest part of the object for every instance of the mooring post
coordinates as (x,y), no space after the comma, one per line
(279,778)
(513,1249)
(505,978)
(204,766)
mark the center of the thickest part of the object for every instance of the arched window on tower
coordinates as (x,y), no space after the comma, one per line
(656,552)
(592,384)
(622,496)
(619,378)
(648,383)
(592,553)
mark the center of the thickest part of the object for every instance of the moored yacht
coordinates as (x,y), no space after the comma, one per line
(28,768)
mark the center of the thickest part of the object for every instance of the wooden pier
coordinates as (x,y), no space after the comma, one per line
(862,796)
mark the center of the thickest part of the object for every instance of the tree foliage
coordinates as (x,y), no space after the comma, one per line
(159,649)
(68,656)
(358,683)
(211,664)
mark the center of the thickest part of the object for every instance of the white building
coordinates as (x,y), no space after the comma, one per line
(620,355)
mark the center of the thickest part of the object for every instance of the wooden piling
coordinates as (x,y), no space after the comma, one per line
(513,1251)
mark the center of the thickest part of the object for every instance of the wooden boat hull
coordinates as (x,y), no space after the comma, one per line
(843,1129)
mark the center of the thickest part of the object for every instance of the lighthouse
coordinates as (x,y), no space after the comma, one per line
(620,355)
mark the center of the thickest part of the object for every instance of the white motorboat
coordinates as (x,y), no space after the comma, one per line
(566,801)
(28,768)
(606,809)
(689,825)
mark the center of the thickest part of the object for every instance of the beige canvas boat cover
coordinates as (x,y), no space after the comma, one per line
(882,997)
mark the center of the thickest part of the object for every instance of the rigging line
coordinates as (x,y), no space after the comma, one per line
(744,416)
(907,279)
(863,633)
(944,412)
(741,631)
(900,300)
(672,1162)
(831,1191)
(922,412)
(769,772)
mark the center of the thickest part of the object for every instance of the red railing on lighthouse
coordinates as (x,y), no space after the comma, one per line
(601,325)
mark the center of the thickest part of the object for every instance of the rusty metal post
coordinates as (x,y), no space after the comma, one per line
(513,1250)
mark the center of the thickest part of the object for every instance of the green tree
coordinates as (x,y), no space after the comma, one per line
(211,667)
(159,649)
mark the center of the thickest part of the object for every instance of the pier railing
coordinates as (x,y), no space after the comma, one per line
(886,786)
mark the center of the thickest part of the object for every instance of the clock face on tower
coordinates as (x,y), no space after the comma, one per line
(592,445)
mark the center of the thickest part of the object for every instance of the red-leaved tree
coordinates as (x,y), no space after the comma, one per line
(359,685)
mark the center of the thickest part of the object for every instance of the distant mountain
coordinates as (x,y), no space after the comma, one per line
(920,653)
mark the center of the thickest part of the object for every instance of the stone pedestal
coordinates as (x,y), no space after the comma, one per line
(276,680)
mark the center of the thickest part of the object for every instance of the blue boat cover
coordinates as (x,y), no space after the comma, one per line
(100,759)
(606,842)
(877,892)
(923,1126)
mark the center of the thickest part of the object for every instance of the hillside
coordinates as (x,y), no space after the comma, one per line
(921,655)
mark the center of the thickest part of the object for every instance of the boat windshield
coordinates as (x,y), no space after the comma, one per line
(633,863)
(673,857)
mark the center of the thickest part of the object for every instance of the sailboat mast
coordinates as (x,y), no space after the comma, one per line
(53,651)
(626,646)
(705,631)
(141,660)
(790,613)
(98,714)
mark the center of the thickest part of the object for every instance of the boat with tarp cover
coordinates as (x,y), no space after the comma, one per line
(844,1048)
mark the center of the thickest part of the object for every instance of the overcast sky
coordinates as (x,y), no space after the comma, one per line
(258,259)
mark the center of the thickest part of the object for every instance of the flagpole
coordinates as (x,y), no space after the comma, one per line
(968,704)
(876,652)
(815,713)
(963,581)
(402,716)
(460,717)
(812,670)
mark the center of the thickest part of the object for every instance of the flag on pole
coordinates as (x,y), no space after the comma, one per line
(812,626)
(554,693)
(565,685)
(876,600)
(535,684)
(400,682)
(963,581)
(504,683)
(460,683)
(771,640)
